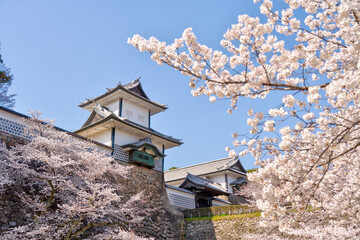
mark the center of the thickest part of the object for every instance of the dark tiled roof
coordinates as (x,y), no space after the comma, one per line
(134,88)
(203,184)
(238,182)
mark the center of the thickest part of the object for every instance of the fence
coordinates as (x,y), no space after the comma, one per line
(223,210)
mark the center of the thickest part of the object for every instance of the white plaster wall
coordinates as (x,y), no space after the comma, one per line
(11,117)
(136,112)
(124,137)
(230,180)
(114,106)
(219,179)
(102,137)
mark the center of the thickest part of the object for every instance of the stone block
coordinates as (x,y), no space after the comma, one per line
(12,224)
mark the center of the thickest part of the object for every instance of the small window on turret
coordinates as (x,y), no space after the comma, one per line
(141,118)
(128,113)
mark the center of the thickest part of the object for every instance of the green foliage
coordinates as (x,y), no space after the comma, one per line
(252,170)
(173,168)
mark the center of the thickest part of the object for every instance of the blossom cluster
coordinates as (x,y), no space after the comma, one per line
(71,188)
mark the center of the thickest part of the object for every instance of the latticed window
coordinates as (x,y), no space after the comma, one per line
(129,113)
(142,158)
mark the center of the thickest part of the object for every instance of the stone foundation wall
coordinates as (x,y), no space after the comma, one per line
(163,220)
(12,212)
(226,229)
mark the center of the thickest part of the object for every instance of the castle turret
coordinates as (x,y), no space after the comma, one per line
(121,118)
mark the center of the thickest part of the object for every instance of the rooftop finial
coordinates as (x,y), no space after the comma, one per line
(136,80)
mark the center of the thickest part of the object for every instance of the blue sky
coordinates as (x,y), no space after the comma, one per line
(61,52)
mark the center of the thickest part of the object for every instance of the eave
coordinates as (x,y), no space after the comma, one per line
(142,132)
(206,187)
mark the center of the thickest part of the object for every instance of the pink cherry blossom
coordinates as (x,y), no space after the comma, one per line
(308,54)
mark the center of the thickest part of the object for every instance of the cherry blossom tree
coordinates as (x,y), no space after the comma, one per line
(251,191)
(70,187)
(308,144)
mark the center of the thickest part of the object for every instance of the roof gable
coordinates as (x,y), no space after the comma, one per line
(135,87)
(238,166)
(98,113)
(205,168)
(233,164)
(93,118)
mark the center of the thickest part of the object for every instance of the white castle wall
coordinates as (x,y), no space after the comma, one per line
(135,113)
(102,137)
(158,145)
(11,117)
(230,180)
(123,137)
(219,179)
(114,107)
